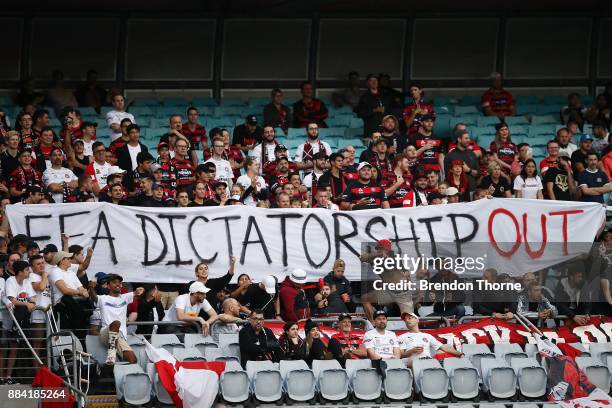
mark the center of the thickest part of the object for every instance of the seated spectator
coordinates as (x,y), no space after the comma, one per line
(592,182)
(379,342)
(528,184)
(113,313)
(309,109)
(496,184)
(579,157)
(552,160)
(602,137)
(290,342)
(118,113)
(263,295)
(328,302)
(496,101)
(363,193)
(346,344)
(493,303)
(339,283)
(416,109)
(294,304)
(415,344)
(559,181)
(574,110)
(257,343)
(599,111)
(226,321)
(447,302)
(187,307)
(90,94)
(533,305)
(374,104)
(572,297)
(564,138)
(313,346)
(149,309)
(58,179)
(276,114)
(247,135)
(452,196)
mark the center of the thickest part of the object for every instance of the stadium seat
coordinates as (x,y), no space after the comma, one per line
(175,101)
(233,102)
(221,111)
(442,126)
(548,109)
(266,380)
(531,350)
(353,132)
(138,346)
(516,130)
(488,121)
(299,380)
(466,110)
(365,381)
(525,109)
(542,130)
(188,354)
(516,120)
(204,102)
(146,102)
(600,351)
(327,132)
(580,347)
(168,342)
(140,111)
(539,141)
(332,380)
(217,354)
(464,380)
(198,341)
(132,383)
(596,371)
(444,101)
(544,120)
(160,392)
(498,378)
(468,120)
(430,379)
(527,100)
(398,380)
(343,121)
(356,123)
(557,99)
(86,111)
(508,351)
(470,100)
(234,383)
(96,349)
(531,377)
(396,325)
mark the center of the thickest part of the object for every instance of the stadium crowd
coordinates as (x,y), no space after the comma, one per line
(405,165)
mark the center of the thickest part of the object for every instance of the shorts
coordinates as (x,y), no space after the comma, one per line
(121,344)
(95,318)
(384,297)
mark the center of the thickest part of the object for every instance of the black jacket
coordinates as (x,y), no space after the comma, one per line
(145,314)
(365,110)
(123,157)
(257,347)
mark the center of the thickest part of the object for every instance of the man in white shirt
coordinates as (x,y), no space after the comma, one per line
(224,168)
(320,164)
(56,178)
(313,145)
(114,117)
(98,170)
(252,179)
(39,278)
(379,342)
(268,146)
(187,307)
(415,344)
(113,313)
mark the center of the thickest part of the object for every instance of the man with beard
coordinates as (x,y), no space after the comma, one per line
(433,155)
(397,184)
(363,193)
(390,132)
(462,152)
(373,104)
(306,151)
(58,179)
(264,151)
(220,197)
(309,109)
(379,342)
(280,176)
(420,189)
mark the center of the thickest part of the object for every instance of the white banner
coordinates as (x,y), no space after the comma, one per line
(165,244)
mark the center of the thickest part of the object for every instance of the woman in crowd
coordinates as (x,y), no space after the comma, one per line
(495,183)
(291,344)
(528,184)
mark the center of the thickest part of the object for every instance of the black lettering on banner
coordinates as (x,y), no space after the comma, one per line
(250,223)
(342,238)
(370,224)
(283,225)
(432,239)
(177,254)
(162,255)
(62,222)
(467,238)
(29,231)
(195,251)
(111,245)
(414,236)
(228,233)
(310,260)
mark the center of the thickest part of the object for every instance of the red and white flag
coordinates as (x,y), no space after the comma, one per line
(190,384)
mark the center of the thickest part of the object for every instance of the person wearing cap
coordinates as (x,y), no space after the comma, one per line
(293,300)
(496,101)
(271,168)
(559,183)
(252,182)
(276,114)
(363,193)
(379,342)
(98,170)
(280,176)
(435,198)
(346,344)
(579,157)
(257,342)
(58,179)
(414,344)
(118,113)
(187,307)
(304,155)
(113,313)
(221,197)
(23,176)
(127,155)
(592,182)
(248,134)
(77,159)
(132,180)
(503,150)
(313,347)
(374,103)
(34,195)
(224,169)
(309,109)
(602,136)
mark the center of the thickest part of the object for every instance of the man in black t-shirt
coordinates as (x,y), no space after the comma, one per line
(559,181)
(247,135)
(262,295)
(363,193)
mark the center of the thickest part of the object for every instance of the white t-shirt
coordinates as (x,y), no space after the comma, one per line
(116,117)
(183,302)
(134,150)
(382,344)
(270,157)
(224,170)
(529,187)
(427,341)
(100,173)
(315,149)
(88,147)
(61,175)
(245,181)
(71,280)
(115,308)
(43,299)
(308,179)
(21,293)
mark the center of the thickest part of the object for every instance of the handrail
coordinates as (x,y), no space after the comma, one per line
(482,317)
(166,323)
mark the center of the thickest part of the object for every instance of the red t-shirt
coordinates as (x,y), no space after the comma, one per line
(548,163)
(403,193)
(195,136)
(499,101)
(416,122)
(429,158)
(506,152)
(473,146)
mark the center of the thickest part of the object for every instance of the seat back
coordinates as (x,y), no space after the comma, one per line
(286,366)
(234,386)
(352,366)
(96,348)
(318,366)
(187,354)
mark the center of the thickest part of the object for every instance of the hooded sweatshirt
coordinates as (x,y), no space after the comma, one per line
(293,301)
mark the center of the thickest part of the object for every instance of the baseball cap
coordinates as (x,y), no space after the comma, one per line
(251,119)
(280,147)
(61,255)
(362,165)
(433,195)
(161,145)
(343,316)
(77,140)
(115,170)
(101,277)
(384,244)
(451,191)
(586,138)
(156,186)
(49,248)
(222,182)
(155,167)
(380,313)
(298,276)
(87,124)
(406,314)
(428,116)
(198,287)
(206,167)
(269,283)
(35,189)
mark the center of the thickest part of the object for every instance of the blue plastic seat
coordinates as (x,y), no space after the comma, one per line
(516,120)
(544,120)
(467,120)
(542,130)
(518,130)
(525,109)
(488,121)
(204,110)
(471,100)
(146,102)
(444,100)
(356,123)
(556,99)
(442,126)
(539,141)
(221,111)
(296,133)
(325,132)
(139,111)
(225,122)
(175,101)
(526,100)
(466,110)
(87,111)
(548,109)
(259,102)
(339,121)
(204,102)
(353,132)
(233,102)
(478,132)
(164,112)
